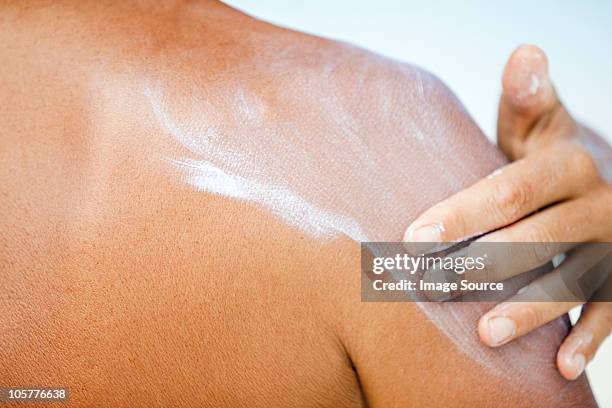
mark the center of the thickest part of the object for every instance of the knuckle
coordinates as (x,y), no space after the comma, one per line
(584,164)
(597,212)
(542,253)
(538,232)
(532,317)
(510,199)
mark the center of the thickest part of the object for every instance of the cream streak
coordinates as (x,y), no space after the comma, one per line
(278,199)
(301,182)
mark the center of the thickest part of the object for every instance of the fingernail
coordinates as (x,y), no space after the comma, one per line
(576,362)
(425,233)
(501,329)
(531,77)
(495,173)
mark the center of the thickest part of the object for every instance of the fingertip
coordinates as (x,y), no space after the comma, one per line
(526,82)
(572,355)
(528,52)
(420,231)
(570,366)
(498,326)
(408,234)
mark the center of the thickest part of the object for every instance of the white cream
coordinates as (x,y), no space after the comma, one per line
(278,199)
(277,167)
(534,84)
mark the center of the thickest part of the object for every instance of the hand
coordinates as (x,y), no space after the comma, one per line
(558,189)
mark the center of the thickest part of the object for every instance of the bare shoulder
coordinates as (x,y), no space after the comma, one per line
(189,185)
(132,186)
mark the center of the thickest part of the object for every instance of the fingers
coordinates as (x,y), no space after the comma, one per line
(585,338)
(511,320)
(502,262)
(520,188)
(529,102)
(579,220)
(582,272)
(530,116)
(568,286)
(527,88)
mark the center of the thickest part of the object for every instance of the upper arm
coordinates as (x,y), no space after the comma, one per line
(429,355)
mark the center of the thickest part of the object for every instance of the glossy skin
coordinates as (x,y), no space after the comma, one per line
(132,288)
(558,189)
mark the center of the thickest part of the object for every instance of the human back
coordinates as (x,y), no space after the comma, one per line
(187,187)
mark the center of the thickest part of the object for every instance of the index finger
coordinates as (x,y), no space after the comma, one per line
(504,197)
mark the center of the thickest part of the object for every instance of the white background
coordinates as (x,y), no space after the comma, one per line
(466,44)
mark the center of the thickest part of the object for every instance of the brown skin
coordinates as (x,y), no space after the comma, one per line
(559,189)
(133,289)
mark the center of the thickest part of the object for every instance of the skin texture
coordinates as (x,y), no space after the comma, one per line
(561,165)
(123,282)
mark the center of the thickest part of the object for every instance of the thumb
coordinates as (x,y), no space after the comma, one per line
(529,105)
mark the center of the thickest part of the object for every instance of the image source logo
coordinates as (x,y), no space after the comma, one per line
(486,271)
